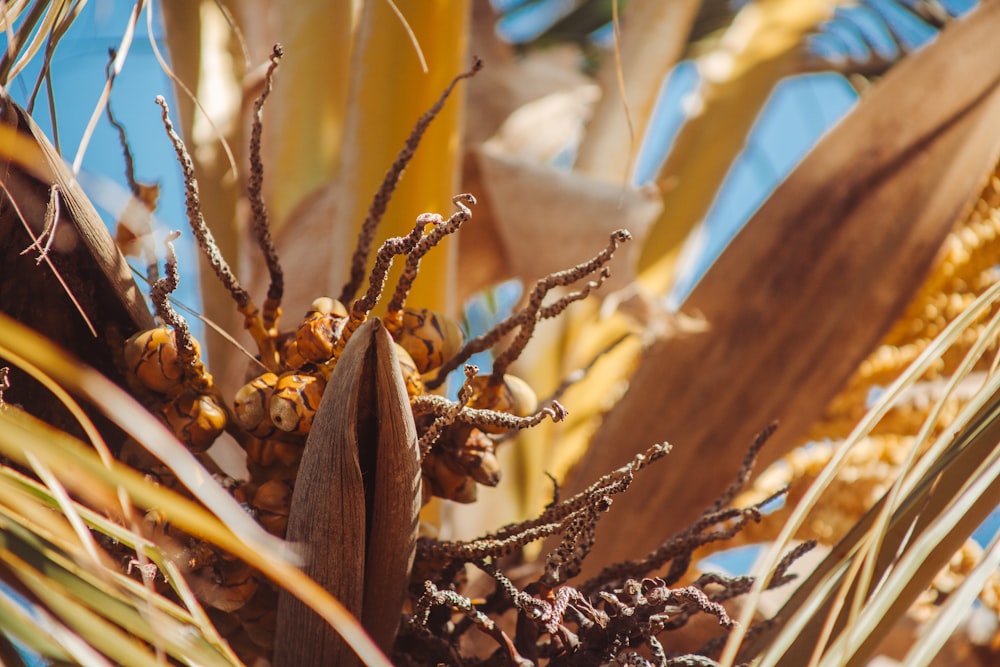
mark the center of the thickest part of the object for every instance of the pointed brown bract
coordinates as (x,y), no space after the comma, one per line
(356,502)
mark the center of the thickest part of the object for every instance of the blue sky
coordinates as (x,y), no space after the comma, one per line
(78,74)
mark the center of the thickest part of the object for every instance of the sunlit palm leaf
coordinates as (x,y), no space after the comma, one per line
(777,348)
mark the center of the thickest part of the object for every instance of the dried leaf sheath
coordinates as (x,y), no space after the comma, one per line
(358,541)
(395,510)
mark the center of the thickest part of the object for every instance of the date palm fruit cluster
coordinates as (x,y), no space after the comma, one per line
(272,414)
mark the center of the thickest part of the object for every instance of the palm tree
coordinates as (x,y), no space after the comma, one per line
(831,277)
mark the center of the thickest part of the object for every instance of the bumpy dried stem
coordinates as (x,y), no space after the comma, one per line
(398,245)
(677,550)
(542,287)
(381,200)
(192,201)
(527,317)
(557,307)
(478,417)
(433,597)
(448,417)
(563,563)
(133,185)
(440,230)
(549,522)
(252,320)
(194,371)
(261,227)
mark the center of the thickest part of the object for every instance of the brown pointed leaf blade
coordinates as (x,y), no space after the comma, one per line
(356,503)
(82,296)
(395,508)
(809,286)
(327,516)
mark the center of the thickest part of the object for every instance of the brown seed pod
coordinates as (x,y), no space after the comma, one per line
(513,396)
(291,358)
(319,331)
(477,456)
(152,359)
(446,479)
(430,338)
(229,587)
(259,617)
(411,375)
(294,401)
(196,419)
(288,453)
(251,405)
(272,501)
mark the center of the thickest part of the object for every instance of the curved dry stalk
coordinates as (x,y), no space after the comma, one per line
(261,228)
(252,320)
(440,230)
(527,317)
(366,237)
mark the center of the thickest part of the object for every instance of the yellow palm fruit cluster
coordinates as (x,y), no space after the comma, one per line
(867,472)
(966,267)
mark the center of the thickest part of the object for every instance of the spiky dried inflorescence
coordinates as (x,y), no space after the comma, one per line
(450,413)
(261,227)
(507,539)
(274,411)
(528,316)
(541,288)
(715,524)
(246,306)
(430,240)
(366,237)
(607,618)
